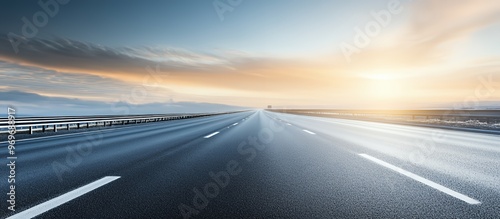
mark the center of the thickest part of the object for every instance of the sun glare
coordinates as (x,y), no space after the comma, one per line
(380,75)
(382,85)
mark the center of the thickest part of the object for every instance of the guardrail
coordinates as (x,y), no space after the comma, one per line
(33,124)
(489,116)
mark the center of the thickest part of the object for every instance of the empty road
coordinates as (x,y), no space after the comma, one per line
(257,164)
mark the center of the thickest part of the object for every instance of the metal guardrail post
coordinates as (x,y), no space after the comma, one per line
(43,124)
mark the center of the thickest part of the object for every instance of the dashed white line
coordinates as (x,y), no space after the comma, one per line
(289,124)
(55,202)
(209,136)
(312,133)
(425,181)
(235,124)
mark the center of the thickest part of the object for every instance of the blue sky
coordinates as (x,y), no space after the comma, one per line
(277,27)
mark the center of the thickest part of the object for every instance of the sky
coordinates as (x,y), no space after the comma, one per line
(367,54)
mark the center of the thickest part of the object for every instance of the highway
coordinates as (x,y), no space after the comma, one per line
(257,164)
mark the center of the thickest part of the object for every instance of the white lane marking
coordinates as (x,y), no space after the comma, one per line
(289,124)
(312,133)
(235,124)
(425,181)
(55,202)
(209,136)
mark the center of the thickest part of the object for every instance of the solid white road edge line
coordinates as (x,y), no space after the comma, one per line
(55,202)
(208,136)
(425,181)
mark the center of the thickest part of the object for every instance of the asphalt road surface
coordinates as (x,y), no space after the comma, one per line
(257,164)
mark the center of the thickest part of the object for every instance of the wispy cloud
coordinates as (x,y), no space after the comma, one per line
(31,104)
(72,55)
(74,85)
(429,33)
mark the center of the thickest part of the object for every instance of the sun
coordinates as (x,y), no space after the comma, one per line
(380,75)
(382,85)
(384,89)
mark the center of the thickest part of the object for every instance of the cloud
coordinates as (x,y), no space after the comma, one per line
(182,70)
(182,67)
(54,83)
(430,33)
(77,56)
(31,104)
